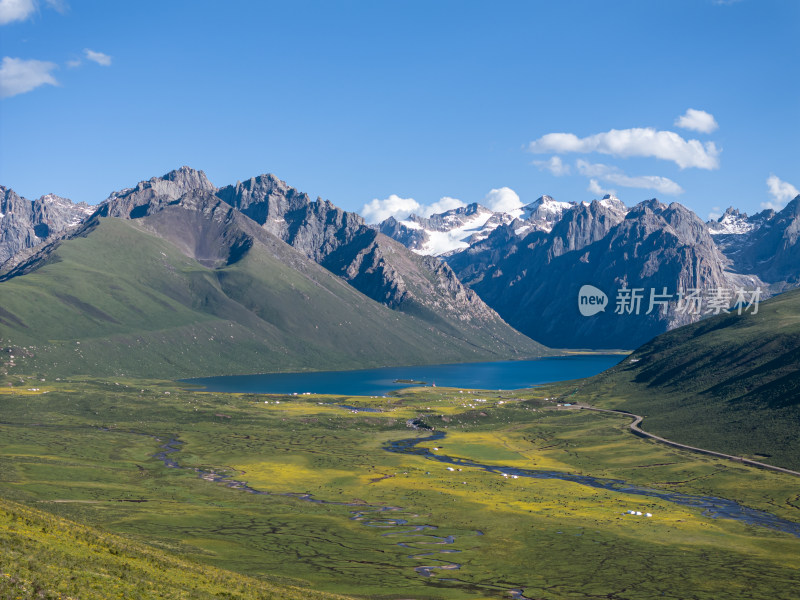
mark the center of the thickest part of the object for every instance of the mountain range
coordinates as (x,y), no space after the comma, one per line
(469,272)
(175,276)
(530,264)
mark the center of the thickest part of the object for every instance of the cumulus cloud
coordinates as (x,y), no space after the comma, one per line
(98,57)
(444,204)
(554,165)
(697,120)
(20,10)
(598,190)
(781,191)
(503,199)
(376,210)
(15,10)
(666,145)
(611,174)
(18,76)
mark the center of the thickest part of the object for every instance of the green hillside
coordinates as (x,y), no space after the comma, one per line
(120,299)
(43,556)
(729,383)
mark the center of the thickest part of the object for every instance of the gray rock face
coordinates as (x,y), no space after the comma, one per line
(26,224)
(376,265)
(154,194)
(534,282)
(772,250)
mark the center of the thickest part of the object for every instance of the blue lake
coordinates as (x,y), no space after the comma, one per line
(506,375)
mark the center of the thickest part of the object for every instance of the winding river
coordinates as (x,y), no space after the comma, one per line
(718,508)
(437,561)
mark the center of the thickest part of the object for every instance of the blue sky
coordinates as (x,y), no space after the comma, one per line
(393,101)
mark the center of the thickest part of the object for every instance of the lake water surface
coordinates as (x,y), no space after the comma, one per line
(505,375)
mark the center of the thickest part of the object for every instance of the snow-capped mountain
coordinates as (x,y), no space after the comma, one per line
(530,269)
(733,222)
(446,232)
(457,229)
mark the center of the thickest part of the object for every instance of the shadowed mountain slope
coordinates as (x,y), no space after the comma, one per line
(729,383)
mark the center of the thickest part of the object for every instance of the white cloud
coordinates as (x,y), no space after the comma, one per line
(444,204)
(376,210)
(73,63)
(781,191)
(16,10)
(503,199)
(716,213)
(98,57)
(697,120)
(554,165)
(18,76)
(611,174)
(20,10)
(596,189)
(666,145)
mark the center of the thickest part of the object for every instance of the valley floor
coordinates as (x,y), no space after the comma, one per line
(429,493)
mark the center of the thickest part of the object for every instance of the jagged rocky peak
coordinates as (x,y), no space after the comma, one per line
(264,198)
(316,228)
(176,183)
(732,222)
(443,233)
(540,215)
(25,224)
(11,203)
(611,202)
(586,223)
(149,195)
(454,218)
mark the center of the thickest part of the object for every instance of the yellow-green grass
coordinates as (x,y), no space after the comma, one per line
(554,538)
(45,556)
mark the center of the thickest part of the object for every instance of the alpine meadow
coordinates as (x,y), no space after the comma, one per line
(522,321)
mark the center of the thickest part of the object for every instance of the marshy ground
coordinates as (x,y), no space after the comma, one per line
(343,515)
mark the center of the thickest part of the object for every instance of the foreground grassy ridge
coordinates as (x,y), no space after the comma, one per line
(729,383)
(553,538)
(44,556)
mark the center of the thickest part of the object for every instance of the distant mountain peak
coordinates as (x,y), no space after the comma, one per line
(25,224)
(187,179)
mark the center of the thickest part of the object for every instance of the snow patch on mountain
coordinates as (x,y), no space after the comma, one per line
(732,222)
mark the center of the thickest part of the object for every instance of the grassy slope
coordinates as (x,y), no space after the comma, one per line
(729,383)
(43,556)
(139,306)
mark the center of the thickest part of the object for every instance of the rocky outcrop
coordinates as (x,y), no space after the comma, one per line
(772,250)
(152,195)
(26,224)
